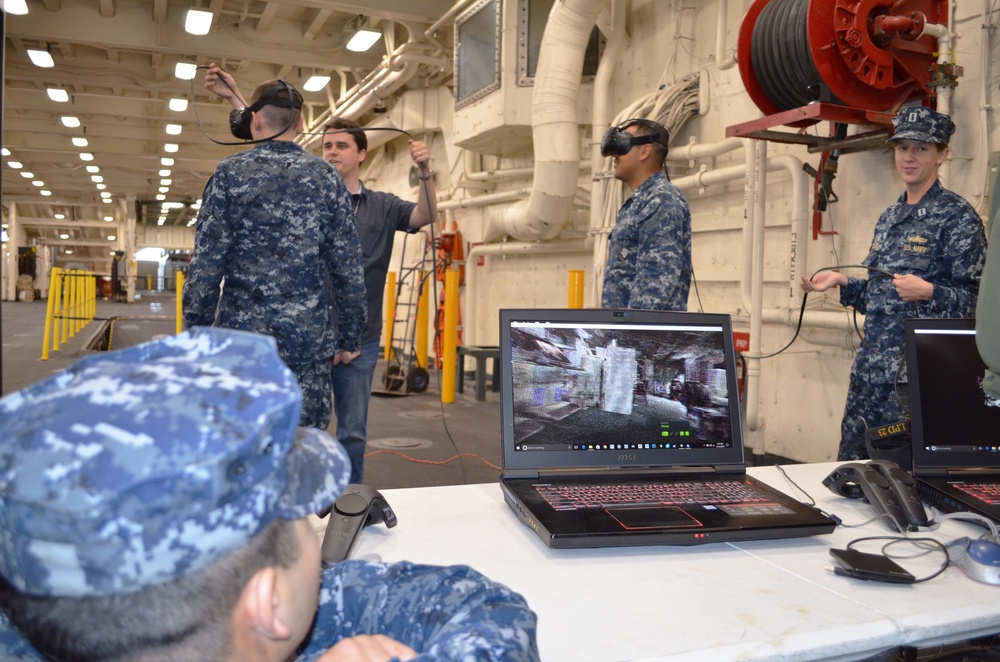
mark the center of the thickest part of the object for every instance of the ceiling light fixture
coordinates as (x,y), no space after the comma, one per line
(166,182)
(316,83)
(45,192)
(101,187)
(170,147)
(27,175)
(93,170)
(185,70)
(178,105)
(64,236)
(161,197)
(69,121)
(80,142)
(86,156)
(97,179)
(174,129)
(58,95)
(164,173)
(111,237)
(16,165)
(166,161)
(39,183)
(198,21)
(164,189)
(41,58)
(109,218)
(108,201)
(364,37)
(18,7)
(59,217)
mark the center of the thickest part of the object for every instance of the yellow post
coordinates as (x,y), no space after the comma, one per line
(576,288)
(450,359)
(91,296)
(71,303)
(423,313)
(67,284)
(49,307)
(149,282)
(180,301)
(390,312)
(56,295)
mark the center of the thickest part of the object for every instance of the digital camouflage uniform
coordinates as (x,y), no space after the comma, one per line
(939,239)
(649,256)
(274,225)
(136,467)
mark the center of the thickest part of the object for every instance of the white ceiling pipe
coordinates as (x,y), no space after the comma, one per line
(555,130)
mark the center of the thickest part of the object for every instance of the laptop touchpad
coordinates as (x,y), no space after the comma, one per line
(667,517)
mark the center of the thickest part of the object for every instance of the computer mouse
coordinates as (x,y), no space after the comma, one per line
(981,561)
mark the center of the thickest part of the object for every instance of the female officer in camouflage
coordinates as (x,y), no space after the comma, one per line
(933,243)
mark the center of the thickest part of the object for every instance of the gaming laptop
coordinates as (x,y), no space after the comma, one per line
(955,426)
(622,427)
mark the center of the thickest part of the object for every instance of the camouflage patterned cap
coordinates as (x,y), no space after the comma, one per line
(923,124)
(139,466)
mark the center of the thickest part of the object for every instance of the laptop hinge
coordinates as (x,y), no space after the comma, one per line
(972,471)
(618,472)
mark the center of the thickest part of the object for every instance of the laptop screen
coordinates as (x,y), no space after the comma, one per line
(605,388)
(954,423)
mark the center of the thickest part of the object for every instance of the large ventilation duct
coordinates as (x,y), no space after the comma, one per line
(555,128)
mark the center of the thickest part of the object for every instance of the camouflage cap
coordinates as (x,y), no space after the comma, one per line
(923,124)
(139,466)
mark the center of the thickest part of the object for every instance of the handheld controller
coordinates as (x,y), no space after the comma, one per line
(359,506)
(904,487)
(864,481)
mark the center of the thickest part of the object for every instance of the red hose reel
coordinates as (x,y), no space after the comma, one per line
(866,55)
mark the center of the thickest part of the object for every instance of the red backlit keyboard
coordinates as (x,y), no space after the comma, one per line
(575,497)
(985,492)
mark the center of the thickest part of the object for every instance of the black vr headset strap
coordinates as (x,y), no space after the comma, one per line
(240,118)
(618,142)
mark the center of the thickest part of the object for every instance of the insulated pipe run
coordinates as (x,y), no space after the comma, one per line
(721,60)
(754,419)
(554,127)
(510,248)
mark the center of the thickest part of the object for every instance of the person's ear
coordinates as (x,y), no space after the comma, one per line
(261,602)
(942,155)
(362,153)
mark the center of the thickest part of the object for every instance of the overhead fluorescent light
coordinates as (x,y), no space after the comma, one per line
(186,70)
(105,195)
(164,173)
(198,21)
(96,179)
(101,187)
(363,39)
(109,218)
(166,182)
(170,147)
(164,189)
(57,94)
(16,165)
(39,183)
(174,129)
(59,217)
(41,58)
(160,196)
(28,175)
(108,201)
(80,142)
(178,105)
(316,83)
(18,7)
(64,236)
(86,156)
(70,122)
(166,161)
(5,151)
(111,237)
(45,192)
(93,169)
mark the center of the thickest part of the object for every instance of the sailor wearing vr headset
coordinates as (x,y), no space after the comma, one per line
(649,253)
(275,223)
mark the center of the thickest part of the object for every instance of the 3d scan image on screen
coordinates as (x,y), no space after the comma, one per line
(618,387)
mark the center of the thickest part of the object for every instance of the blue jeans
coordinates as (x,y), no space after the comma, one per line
(352,390)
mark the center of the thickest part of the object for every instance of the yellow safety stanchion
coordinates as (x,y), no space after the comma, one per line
(450,358)
(64,309)
(71,303)
(180,301)
(575,288)
(58,321)
(49,308)
(390,313)
(423,313)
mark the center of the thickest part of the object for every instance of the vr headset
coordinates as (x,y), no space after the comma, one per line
(239,118)
(618,142)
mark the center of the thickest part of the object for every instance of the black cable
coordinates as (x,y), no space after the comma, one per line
(802,310)
(201,126)
(933,546)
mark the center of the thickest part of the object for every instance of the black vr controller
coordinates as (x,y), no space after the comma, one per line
(884,486)
(359,506)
